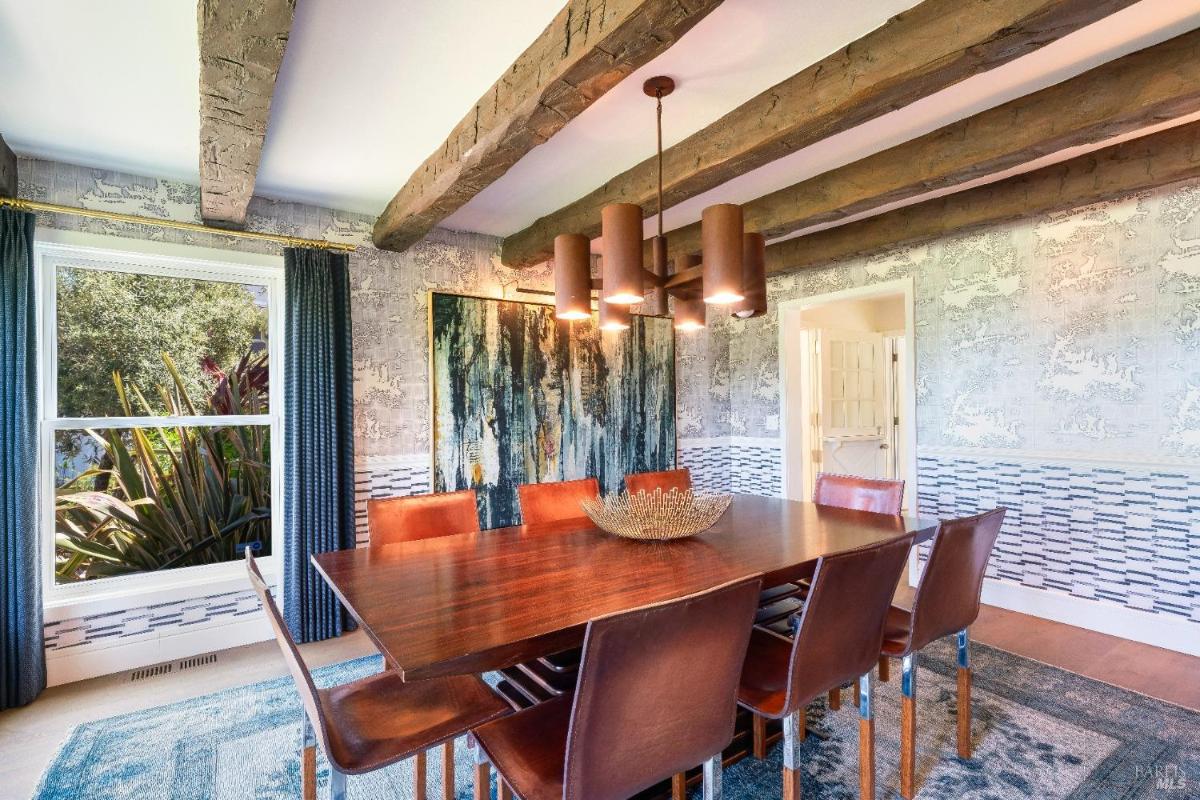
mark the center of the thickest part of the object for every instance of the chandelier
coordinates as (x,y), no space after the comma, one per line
(729,271)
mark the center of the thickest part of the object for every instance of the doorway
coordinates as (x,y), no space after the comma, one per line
(848,387)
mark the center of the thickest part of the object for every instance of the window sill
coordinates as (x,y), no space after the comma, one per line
(139,591)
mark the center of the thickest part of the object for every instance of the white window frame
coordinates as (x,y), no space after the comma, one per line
(53,249)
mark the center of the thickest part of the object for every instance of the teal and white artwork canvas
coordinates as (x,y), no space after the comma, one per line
(522,397)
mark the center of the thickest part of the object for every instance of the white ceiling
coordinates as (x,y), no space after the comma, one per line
(108,84)
(369,89)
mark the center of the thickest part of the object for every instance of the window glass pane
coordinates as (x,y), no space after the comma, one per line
(150,499)
(173,345)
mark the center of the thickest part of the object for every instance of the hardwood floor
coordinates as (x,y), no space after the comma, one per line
(1152,671)
(29,737)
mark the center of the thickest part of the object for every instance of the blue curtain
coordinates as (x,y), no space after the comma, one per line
(22,656)
(319,446)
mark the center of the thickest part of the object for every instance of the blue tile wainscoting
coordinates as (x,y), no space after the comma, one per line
(388,476)
(1118,543)
(709,461)
(127,626)
(741,465)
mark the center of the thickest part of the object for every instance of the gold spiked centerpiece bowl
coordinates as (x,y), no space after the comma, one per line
(658,515)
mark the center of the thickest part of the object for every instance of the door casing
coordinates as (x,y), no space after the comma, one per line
(797,405)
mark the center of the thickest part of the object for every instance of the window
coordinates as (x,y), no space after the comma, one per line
(161,426)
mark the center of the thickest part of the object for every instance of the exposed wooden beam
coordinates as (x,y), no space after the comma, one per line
(923,50)
(1142,89)
(8,170)
(1154,160)
(589,48)
(241,48)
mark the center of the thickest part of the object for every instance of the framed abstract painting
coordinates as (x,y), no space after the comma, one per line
(521,397)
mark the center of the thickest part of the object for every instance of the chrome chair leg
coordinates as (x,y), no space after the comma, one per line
(337,785)
(712,778)
(964,694)
(793,735)
(866,736)
(908,727)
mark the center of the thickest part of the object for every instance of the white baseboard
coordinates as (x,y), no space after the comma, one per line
(1161,630)
(76,664)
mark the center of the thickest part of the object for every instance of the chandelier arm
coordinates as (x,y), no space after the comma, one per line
(684,277)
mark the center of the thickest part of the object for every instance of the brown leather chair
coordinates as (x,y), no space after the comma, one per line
(423,516)
(551,502)
(834,643)
(843,491)
(946,602)
(861,494)
(646,707)
(376,721)
(666,480)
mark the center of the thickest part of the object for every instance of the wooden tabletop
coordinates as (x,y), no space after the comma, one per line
(473,602)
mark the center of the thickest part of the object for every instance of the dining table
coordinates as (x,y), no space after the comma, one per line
(470,603)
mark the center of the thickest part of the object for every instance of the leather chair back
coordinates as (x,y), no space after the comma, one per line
(551,502)
(657,691)
(666,480)
(860,494)
(840,630)
(309,694)
(947,599)
(425,516)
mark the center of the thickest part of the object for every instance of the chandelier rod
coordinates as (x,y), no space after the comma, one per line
(658,95)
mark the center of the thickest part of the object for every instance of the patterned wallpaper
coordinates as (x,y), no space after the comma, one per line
(1076,332)
(390,291)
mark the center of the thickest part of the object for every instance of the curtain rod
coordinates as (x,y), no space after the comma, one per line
(286,241)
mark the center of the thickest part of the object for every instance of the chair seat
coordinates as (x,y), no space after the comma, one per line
(529,748)
(566,661)
(763,689)
(783,627)
(378,720)
(777,593)
(780,610)
(897,631)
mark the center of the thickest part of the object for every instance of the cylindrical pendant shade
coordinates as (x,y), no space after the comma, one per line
(754,277)
(621,231)
(689,313)
(721,253)
(572,276)
(614,317)
(689,308)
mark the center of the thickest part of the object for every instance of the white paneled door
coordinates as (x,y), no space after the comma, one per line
(853,404)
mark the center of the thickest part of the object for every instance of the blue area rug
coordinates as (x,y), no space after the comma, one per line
(1039,733)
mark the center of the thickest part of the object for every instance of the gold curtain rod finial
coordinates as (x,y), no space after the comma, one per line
(22,204)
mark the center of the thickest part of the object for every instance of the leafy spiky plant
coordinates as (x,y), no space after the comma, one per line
(167,497)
